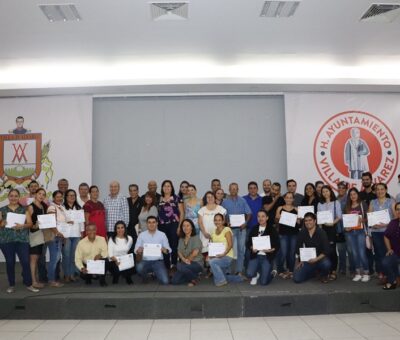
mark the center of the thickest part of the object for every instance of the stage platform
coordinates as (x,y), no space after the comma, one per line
(153,301)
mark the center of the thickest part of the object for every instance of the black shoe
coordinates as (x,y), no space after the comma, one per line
(115,280)
(129,280)
(88,281)
(103,283)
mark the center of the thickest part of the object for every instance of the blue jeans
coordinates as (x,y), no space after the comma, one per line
(356,240)
(21,249)
(186,273)
(286,253)
(68,256)
(379,249)
(390,265)
(307,271)
(261,265)
(55,256)
(170,229)
(239,247)
(220,267)
(157,267)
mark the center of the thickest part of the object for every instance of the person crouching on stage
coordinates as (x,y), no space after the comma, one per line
(92,247)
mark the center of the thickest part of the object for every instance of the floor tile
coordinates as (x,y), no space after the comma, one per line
(171,325)
(358,318)
(246,324)
(253,334)
(76,335)
(173,335)
(326,320)
(46,335)
(127,335)
(57,326)
(376,330)
(9,335)
(103,326)
(211,334)
(295,334)
(211,324)
(285,322)
(21,325)
(335,332)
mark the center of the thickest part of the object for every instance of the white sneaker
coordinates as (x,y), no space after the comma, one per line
(10,290)
(254,280)
(365,278)
(357,278)
(32,289)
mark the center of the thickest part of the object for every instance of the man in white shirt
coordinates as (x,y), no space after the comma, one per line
(152,239)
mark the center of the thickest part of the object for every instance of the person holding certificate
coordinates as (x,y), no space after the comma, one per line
(316,255)
(189,252)
(152,245)
(261,257)
(381,204)
(310,196)
(192,206)
(54,238)
(391,261)
(286,217)
(239,215)
(92,249)
(329,203)
(36,208)
(120,244)
(14,240)
(354,220)
(71,240)
(221,263)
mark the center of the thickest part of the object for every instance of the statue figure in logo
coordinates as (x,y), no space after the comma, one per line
(356,153)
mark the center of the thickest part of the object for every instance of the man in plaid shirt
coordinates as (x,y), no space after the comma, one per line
(116,207)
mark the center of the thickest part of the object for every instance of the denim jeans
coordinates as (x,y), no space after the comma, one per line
(21,249)
(220,267)
(379,250)
(186,272)
(170,230)
(356,240)
(239,247)
(390,265)
(261,265)
(286,253)
(157,267)
(68,256)
(307,271)
(349,250)
(54,247)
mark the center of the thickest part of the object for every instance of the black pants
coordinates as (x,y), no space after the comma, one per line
(116,273)
(170,230)
(333,256)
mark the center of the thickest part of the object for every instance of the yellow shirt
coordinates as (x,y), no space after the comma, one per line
(87,250)
(222,239)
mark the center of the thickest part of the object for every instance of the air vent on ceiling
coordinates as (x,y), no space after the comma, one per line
(279,9)
(381,13)
(169,10)
(60,12)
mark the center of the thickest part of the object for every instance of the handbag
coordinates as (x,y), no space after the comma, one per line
(36,238)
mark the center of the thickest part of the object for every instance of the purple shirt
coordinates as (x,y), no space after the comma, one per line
(393,234)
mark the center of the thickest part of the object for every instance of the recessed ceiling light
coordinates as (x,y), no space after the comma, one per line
(279,9)
(381,13)
(169,10)
(60,12)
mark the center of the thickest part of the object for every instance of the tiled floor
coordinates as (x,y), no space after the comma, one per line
(372,326)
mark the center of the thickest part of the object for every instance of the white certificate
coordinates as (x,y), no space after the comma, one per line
(307,254)
(302,210)
(324,217)
(351,220)
(288,219)
(77,216)
(96,267)
(14,219)
(261,243)
(237,220)
(378,217)
(125,262)
(152,250)
(69,230)
(215,248)
(47,221)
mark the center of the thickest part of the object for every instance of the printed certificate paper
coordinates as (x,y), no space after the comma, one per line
(307,254)
(215,248)
(261,242)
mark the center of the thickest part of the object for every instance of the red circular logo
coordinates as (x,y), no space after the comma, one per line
(353,142)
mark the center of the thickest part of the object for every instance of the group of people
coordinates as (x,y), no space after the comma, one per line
(178,237)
